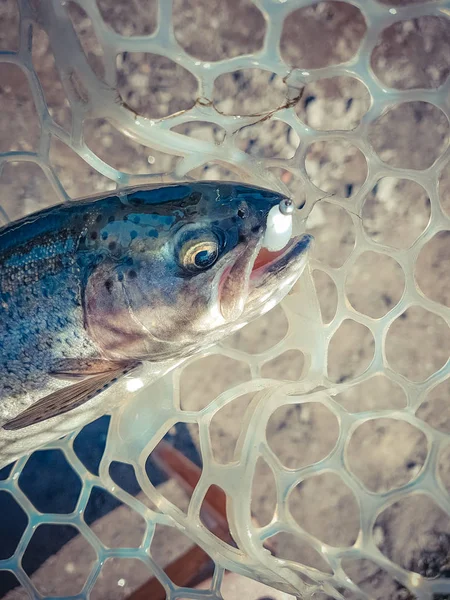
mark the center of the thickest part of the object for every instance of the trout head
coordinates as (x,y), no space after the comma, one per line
(187,267)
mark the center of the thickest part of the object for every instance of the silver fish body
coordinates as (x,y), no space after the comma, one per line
(92,289)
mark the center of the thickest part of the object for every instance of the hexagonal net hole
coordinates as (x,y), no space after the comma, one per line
(326,293)
(130,23)
(336,167)
(119,577)
(173,467)
(418,360)
(151,84)
(302,434)
(287,366)
(375,284)
(261,334)
(167,545)
(324,506)
(430,272)
(375,393)
(200,384)
(13,522)
(225,427)
(249,92)
(290,547)
(424,548)
(375,581)
(20,123)
(386,453)
(270,139)
(63,574)
(412,53)
(8,582)
(333,230)
(323,34)
(424,127)
(350,351)
(213,514)
(264,493)
(206,33)
(89,445)
(333,103)
(396,212)
(120,526)
(50,483)
(434,409)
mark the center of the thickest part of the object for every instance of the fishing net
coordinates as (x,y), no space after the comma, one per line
(326,422)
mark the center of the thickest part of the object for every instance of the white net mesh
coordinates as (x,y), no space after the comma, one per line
(341,451)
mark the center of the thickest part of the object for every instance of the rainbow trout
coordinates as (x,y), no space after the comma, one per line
(91,290)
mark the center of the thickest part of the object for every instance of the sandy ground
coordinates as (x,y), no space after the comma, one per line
(383,453)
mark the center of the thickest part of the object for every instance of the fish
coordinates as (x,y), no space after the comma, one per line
(94,289)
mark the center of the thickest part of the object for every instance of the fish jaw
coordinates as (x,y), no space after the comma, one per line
(273,275)
(267,263)
(255,281)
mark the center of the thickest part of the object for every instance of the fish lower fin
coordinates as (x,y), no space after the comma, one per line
(70,397)
(75,368)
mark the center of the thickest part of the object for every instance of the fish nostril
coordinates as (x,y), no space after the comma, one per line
(242,211)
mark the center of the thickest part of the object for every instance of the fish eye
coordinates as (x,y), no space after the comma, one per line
(200,253)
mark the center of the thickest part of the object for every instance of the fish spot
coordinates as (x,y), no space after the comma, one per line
(94,235)
(111,219)
(195,196)
(129,261)
(109,284)
(104,235)
(133,234)
(120,277)
(152,233)
(98,218)
(136,219)
(132,274)
(112,245)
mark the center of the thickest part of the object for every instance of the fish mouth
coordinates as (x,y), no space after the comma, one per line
(267,261)
(254,268)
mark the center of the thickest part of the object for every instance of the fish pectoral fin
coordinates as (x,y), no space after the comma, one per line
(68,398)
(76,368)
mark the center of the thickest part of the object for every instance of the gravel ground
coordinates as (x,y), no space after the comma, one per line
(383,453)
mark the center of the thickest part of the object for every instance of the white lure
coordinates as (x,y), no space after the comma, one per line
(279,226)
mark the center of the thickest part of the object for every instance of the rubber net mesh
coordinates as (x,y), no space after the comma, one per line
(328,418)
